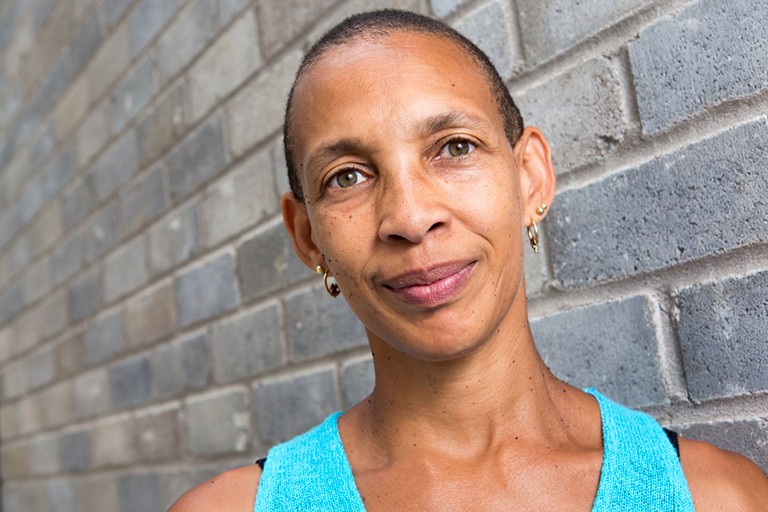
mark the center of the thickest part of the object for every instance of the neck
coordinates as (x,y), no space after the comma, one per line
(465,406)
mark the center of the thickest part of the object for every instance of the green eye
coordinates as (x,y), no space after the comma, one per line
(457,148)
(347,179)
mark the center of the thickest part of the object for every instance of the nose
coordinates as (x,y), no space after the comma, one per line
(410,206)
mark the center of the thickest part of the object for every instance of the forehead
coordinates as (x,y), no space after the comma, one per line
(385,79)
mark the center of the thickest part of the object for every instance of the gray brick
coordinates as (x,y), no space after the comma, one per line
(84,297)
(101,233)
(229,8)
(581,112)
(611,346)
(27,496)
(133,93)
(224,65)
(287,408)
(85,43)
(173,485)
(151,316)
(247,345)
(114,167)
(550,28)
(101,493)
(146,20)
(198,158)
(130,382)
(143,201)
(125,270)
(231,433)
(747,437)
(15,461)
(721,327)
(44,455)
(357,382)
(181,366)
(689,186)
(139,492)
(42,146)
(72,107)
(75,451)
(36,283)
(31,202)
(54,311)
(160,128)
(206,290)
(111,60)
(91,393)
(157,434)
(93,133)
(318,326)
(67,258)
(280,22)
(104,339)
(267,263)
(54,85)
(185,38)
(58,406)
(280,167)
(70,357)
(42,12)
(40,368)
(116,8)
(113,442)
(77,203)
(266,95)
(443,8)
(65,495)
(175,239)
(60,171)
(702,56)
(241,199)
(490,27)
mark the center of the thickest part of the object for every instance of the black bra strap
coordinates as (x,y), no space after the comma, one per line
(672,435)
(261,462)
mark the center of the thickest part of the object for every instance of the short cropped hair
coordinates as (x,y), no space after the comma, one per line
(377,24)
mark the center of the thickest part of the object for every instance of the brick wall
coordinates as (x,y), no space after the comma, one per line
(155,326)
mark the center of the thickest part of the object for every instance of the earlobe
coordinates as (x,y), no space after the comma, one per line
(537,175)
(296,221)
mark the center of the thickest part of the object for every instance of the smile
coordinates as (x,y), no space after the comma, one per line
(433,287)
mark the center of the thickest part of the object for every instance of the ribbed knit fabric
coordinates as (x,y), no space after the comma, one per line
(641,470)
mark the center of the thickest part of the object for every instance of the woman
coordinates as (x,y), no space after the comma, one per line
(412,178)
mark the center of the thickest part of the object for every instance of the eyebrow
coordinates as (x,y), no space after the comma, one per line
(436,123)
(424,127)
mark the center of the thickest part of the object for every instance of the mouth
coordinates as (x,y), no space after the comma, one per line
(431,287)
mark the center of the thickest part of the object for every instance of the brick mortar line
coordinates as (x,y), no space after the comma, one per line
(739,262)
(641,149)
(612,37)
(737,408)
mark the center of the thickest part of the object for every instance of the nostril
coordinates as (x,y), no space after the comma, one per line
(435,226)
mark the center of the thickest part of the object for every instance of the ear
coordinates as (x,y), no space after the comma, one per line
(537,176)
(296,221)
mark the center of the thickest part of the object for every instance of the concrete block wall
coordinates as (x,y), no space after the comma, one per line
(155,327)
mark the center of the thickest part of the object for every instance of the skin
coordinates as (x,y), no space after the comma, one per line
(464,415)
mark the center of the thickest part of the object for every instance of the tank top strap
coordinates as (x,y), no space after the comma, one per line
(641,469)
(309,473)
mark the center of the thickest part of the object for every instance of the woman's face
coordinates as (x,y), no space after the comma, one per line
(412,192)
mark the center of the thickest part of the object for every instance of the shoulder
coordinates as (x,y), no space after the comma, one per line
(231,491)
(722,480)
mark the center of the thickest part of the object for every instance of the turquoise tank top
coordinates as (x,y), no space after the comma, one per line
(641,470)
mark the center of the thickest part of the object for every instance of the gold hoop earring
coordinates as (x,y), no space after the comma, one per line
(533,236)
(332,288)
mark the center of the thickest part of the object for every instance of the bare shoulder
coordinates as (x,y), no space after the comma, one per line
(722,480)
(231,491)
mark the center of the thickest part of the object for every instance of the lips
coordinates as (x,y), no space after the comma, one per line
(431,287)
